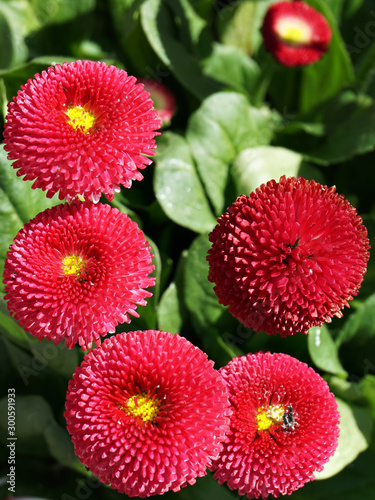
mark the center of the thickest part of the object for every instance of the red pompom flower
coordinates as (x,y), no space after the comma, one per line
(295,33)
(288,257)
(81,128)
(284,425)
(147,412)
(75,271)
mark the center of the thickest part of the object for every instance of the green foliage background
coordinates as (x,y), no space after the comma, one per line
(241,120)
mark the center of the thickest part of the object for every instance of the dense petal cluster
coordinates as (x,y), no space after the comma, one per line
(284,425)
(81,128)
(75,271)
(288,257)
(164,100)
(295,33)
(147,412)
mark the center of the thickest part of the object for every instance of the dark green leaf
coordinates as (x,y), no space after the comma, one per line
(325,78)
(158,25)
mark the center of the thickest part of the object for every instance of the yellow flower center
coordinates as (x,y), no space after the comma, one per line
(271,415)
(142,406)
(80,119)
(293,31)
(73,264)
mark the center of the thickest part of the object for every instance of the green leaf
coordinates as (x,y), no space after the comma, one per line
(231,66)
(178,187)
(223,126)
(17,20)
(360,324)
(323,351)
(170,317)
(239,24)
(355,434)
(200,297)
(159,27)
(255,166)
(19,203)
(325,78)
(60,11)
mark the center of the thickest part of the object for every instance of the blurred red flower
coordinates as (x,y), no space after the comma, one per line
(295,33)
(284,425)
(288,257)
(164,100)
(81,128)
(75,271)
(147,412)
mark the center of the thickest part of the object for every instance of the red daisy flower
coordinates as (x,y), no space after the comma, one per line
(75,271)
(284,425)
(288,257)
(295,33)
(147,412)
(80,129)
(164,100)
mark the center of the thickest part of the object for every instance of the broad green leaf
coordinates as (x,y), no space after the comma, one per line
(147,313)
(19,203)
(60,11)
(325,78)
(231,66)
(132,39)
(159,28)
(169,314)
(323,351)
(217,328)
(239,23)
(360,324)
(200,297)
(355,434)
(255,166)
(223,126)
(17,20)
(178,187)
